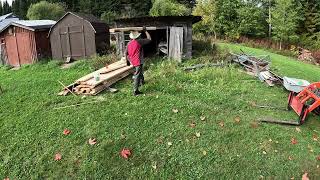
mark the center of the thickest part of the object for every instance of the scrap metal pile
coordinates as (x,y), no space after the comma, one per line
(258,66)
(96,82)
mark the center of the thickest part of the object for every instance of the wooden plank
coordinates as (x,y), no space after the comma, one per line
(105,77)
(66,88)
(101,88)
(111,67)
(113,30)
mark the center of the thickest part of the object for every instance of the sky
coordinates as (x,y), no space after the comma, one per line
(9,1)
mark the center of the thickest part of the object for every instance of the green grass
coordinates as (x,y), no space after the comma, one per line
(31,129)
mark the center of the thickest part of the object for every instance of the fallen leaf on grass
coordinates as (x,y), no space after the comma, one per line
(292,178)
(192,124)
(92,141)
(305,176)
(58,157)
(254,125)
(204,153)
(125,153)
(237,119)
(318,158)
(315,137)
(66,132)
(310,148)
(298,129)
(294,141)
(221,124)
(290,158)
(264,152)
(123,136)
(154,165)
(169,143)
(253,103)
(175,110)
(202,118)
(198,134)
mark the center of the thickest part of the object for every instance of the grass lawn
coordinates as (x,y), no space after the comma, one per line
(220,147)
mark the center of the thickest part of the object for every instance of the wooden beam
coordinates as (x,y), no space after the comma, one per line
(112,67)
(113,30)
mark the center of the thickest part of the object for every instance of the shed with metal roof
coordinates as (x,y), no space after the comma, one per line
(77,36)
(25,42)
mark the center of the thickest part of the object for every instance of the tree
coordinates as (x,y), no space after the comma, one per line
(168,8)
(1,9)
(6,7)
(108,17)
(227,18)
(285,19)
(252,21)
(206,9)
(45,10)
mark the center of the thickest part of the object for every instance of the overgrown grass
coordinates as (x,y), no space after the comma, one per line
(31,129)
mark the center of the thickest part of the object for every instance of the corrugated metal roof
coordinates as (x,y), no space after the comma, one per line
(35,24)
(6,22)
(6,16)
(32,25)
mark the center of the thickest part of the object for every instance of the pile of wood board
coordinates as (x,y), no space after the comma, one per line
(97,81)
(258,66)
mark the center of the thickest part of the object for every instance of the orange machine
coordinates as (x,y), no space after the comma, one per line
(305,102)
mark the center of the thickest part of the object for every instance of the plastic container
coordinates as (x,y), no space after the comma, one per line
(295,85)
(97,76)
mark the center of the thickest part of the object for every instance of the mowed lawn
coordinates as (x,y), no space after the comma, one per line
(228,143)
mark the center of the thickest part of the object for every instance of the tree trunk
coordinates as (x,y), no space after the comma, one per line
(270,25)
(280,45)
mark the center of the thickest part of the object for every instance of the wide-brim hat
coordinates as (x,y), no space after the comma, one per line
(134,34)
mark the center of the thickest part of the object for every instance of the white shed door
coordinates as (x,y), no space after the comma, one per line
(176,43)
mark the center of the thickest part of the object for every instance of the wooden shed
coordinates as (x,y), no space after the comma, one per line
(77,36)
(171,35)
(25,42)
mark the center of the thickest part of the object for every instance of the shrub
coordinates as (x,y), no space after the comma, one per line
(168,8)
(45,10)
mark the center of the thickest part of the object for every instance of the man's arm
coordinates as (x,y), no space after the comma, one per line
(126,56)
(146,41)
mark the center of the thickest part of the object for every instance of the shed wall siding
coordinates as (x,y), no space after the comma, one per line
(20,46)
(81,41)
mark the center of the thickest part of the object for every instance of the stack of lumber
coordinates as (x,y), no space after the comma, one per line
(97,81)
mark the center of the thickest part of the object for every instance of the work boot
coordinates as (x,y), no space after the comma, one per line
(137,93)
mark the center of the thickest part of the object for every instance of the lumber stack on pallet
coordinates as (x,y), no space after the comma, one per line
(98,81)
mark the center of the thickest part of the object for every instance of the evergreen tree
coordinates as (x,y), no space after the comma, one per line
(1,9)
(227,18)
(6,7)
(252,20)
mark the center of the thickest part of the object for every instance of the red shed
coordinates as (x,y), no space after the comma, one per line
(25,42)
